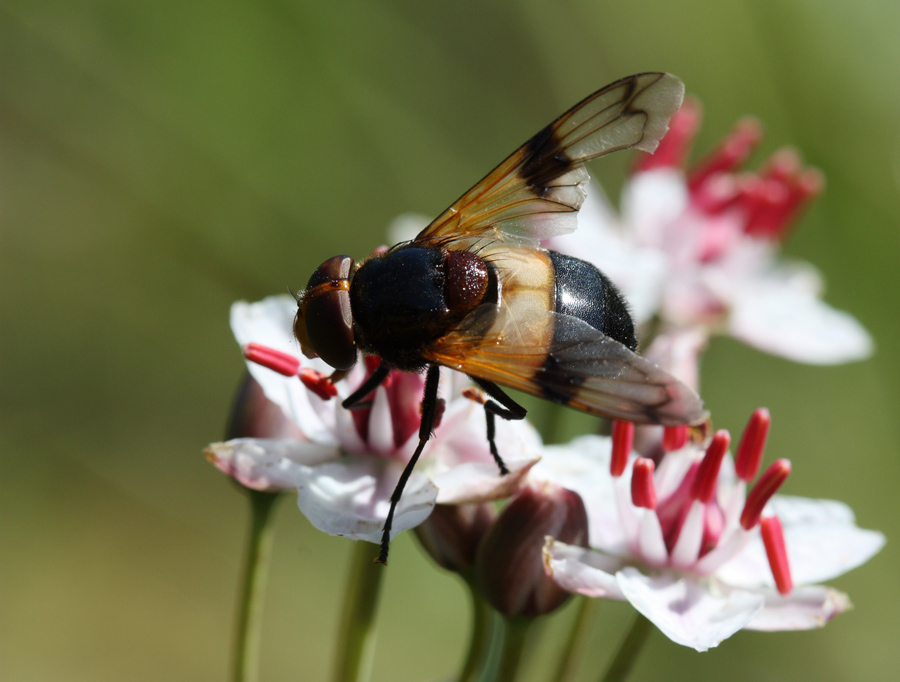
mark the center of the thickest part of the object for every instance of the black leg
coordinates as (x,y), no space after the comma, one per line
(429,413)
(505,408)
(369,385)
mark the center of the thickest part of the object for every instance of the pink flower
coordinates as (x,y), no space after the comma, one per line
(344,464)
(698,249)
(691,549)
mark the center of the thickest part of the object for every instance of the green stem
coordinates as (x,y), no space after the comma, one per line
(516,632)
(356,637)
(247,636)
(576,642)
(628,652)
(478,643)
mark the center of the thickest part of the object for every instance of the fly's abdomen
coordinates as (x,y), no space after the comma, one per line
(584,292)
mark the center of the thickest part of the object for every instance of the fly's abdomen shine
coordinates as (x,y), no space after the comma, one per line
(584,292)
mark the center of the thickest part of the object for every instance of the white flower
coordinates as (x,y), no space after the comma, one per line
(691,550)
(345,464)
(699,250)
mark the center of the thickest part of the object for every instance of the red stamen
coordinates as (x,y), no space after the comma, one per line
(810,183)
(773,539)
(797,187)
(283,363)
(318,383)
(805,187)
(717,193)
(704,486)
(675,438)
(674,147)
(753,442)
(643,489)
(731,153)
(783,165)
(622,443)
(765,487)
(764,202)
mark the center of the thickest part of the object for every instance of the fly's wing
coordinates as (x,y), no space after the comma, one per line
(564,359)
(536,192)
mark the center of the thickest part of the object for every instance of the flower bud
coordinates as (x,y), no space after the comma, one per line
(509,565)
(452,533)
(255,416)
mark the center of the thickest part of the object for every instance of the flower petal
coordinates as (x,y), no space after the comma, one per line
(582,466)
(678,351)
(406,226)
(637,271)
(352,497)
(803,609)
(790,321)
(686,611)
(269,322)
(264,464)
(381,428)
(804,511)
(476,482)
(822,543)
(582,571)
(652,202)
(461,437)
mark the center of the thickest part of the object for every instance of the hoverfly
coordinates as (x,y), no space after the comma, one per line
(475,292)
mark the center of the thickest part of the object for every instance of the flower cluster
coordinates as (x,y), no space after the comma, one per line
(691,549)
(344,464)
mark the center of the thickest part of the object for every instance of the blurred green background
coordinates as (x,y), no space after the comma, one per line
(160,160)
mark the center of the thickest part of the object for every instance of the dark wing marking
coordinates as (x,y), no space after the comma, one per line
(581,367)
(536,192)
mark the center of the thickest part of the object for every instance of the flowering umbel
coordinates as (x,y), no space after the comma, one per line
(692,549)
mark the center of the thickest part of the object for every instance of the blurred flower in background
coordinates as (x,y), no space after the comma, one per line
(695,251)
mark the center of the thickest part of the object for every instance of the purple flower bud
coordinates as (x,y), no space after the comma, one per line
(509,567)
(452,533)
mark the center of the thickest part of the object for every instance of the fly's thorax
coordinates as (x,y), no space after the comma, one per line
(410,297)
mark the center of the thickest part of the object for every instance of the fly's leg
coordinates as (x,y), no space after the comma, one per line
(430,405)
(374,381)
(501,406)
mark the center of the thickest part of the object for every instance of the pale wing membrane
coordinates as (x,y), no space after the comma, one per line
(581,367)
(535,193)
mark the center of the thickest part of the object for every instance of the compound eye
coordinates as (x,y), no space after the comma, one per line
(325,314)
